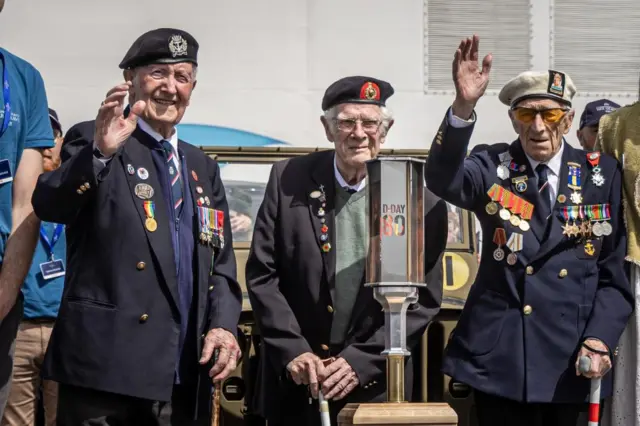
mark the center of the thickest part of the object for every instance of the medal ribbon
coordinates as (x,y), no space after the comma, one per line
(202,214)
(6,95)
(515,242)
(500,236)
(149,208)
(50,244)
(511,201)
(574,176)
(595,160)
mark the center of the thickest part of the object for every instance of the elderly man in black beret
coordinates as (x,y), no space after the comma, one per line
(151,288)
(321,329)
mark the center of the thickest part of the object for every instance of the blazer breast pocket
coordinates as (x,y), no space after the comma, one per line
(588,249)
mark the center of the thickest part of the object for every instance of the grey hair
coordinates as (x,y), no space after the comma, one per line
(332,113)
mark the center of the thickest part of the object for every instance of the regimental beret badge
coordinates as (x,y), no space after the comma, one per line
(370,91)
(177,45)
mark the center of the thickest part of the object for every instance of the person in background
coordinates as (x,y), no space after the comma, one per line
(41,293)
(24,132)
(619,136)
(240,214)
(590,119)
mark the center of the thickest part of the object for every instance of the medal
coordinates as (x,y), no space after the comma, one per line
(576,198)
(143,191)
(491,208)
(151,224)
(511,205)
(596,172)
(597,229)
(503,172)
(524,225)
(315,194)
(607,229)
(515,220)
(574,178)
(143,173)
(515,245)
(500,238)
(149,209)
(520,183)
(504,214)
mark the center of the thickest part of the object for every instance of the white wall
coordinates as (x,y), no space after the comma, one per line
(264,65)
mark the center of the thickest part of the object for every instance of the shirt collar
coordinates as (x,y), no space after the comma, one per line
(554,164)
(343,183)
(145,127)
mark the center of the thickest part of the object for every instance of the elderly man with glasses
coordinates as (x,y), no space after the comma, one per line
(321,328)
(552,286)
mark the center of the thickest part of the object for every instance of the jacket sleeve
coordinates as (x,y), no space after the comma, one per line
(613,302)
(61,194)
(278,326)
(452,175)
(365,358)
(226,296)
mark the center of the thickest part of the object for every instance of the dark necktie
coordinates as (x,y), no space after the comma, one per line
(350,190)
(174,177)
(543,188)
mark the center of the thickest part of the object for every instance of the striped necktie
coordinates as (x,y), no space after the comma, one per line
(174,177)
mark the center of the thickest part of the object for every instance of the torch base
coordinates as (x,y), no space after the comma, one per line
(388,414)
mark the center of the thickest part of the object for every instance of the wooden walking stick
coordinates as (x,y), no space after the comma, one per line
(215,397)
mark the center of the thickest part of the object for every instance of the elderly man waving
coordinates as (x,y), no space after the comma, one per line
(551,287)
(151,285)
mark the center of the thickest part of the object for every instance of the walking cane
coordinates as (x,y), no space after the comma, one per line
(584,364)
(215,397)
(325,417)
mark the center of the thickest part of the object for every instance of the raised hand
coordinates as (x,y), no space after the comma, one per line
(470,80)
(112,128)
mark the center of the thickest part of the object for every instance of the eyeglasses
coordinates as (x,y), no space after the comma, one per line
(347,125)
(549,116)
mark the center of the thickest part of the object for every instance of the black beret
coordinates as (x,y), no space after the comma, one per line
(357,89)
(161,46)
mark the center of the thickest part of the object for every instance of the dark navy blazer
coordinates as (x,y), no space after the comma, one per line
(118,271)
(498,346)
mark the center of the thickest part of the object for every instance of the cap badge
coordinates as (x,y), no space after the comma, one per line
(370,91)
(177,46)
(556,83)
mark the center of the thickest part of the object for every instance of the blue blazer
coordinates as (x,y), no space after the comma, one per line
(522,324)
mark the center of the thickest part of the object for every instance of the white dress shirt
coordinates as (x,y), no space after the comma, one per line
(343,183)
(173,140)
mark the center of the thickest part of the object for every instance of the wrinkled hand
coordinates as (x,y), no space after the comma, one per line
(470,80)
(112,128)
(228,356)
(305,369)
(600,364)
(338,380)
(239,222)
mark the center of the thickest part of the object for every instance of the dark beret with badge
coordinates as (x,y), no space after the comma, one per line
(357,90)
(161,46)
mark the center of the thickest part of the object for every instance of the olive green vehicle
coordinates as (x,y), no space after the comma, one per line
(245,172)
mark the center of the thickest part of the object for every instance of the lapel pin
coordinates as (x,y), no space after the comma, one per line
(562,198)
(194,175)
(143,191)
(199,190)
(143,173)
(326,247)
(315,194)
(130,169)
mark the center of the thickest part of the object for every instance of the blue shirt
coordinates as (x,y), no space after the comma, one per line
(42,297)
(29,127)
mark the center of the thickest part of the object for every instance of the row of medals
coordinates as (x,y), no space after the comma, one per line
(492,208)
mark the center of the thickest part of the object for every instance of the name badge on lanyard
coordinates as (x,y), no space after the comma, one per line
(6,95)
(54,268)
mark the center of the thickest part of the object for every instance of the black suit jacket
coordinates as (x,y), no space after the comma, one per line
(118,325)
(290,282)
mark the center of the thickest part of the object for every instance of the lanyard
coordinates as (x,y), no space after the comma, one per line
(49,244)
(5,96)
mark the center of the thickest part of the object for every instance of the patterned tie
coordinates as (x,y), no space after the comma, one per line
(175,178)
(543,188)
